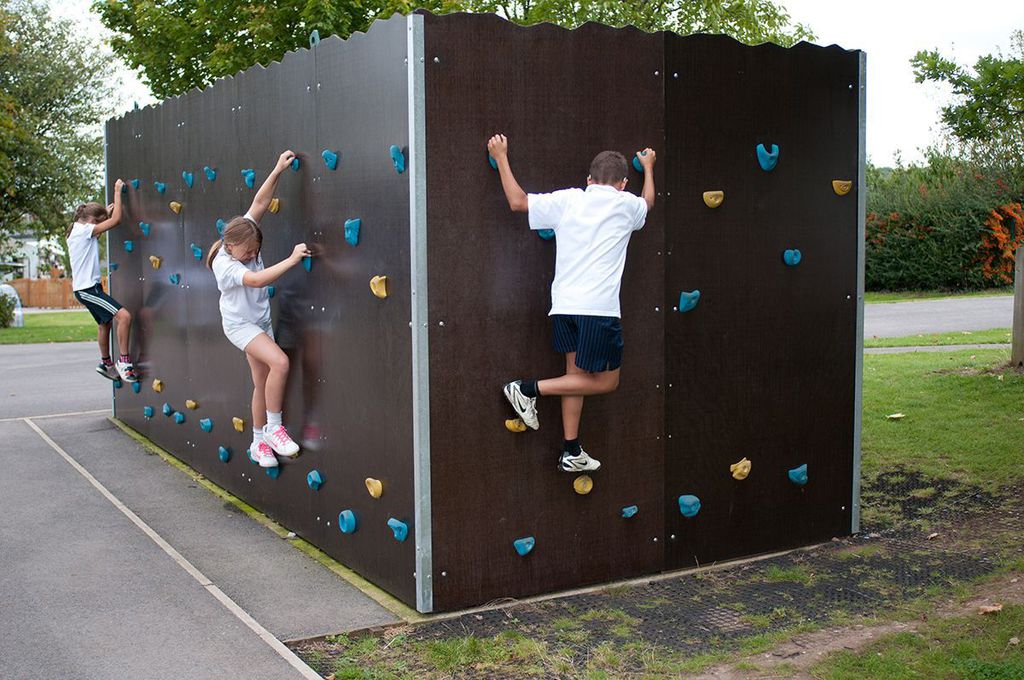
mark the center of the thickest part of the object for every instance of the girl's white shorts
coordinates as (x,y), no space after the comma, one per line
(241,334)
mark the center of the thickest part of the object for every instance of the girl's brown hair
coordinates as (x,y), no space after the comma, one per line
(238,232)
(90,211)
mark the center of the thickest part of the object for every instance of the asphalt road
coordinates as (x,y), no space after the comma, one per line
(897,319)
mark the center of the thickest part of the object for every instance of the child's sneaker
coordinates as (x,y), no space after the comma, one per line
(108,371)
(579,463)
(525,406)
(262,455)
(311,437)
(126,371)
(277,437)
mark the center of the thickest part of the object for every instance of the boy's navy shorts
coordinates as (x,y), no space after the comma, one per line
(597,340)
(100,305)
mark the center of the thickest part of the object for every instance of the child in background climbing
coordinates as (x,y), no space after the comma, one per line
(245,315)
(91,220)
(592,230)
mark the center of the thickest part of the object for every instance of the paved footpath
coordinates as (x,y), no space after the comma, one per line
(114,564)
(897,319)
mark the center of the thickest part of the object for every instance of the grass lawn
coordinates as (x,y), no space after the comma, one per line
(872,297)
(51,327)
(987,337)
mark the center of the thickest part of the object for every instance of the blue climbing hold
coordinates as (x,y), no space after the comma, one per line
(210,173)
(494,163)
(248,453)
(798,475)
(144,228)
(314,38)
(249,175)
(636,162)
(189,179)
(791,257)
(124,188)
(273,472)
(160,186)
(129,246)
(147,411)
(117,383)
(314,479)
(220,226)
(114,266)
(197,252)
(179,417)
(688,301)
(135,184)
(767,159)
(398,158)
(175,279)
(206,424)
(352,231)
(399,528)
(136,387)
(523,546)
(224,453)
(296,163)
(347,522)
(307,263)
(546,234)
(689,506)
(167,409)
(630,511)
(270,291)
(330,159)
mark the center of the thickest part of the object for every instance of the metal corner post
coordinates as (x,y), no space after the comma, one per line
(858,395)
(106,241)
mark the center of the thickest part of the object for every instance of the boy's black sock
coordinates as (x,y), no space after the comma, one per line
(106,361)
(529,388)
(571,446)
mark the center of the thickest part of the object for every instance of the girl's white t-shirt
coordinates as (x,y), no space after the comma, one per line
(240,304)
(592,230)
(84,253)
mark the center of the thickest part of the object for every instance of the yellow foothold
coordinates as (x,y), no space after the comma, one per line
(741,469)
(379,286)
(158,385)
(842,186)
(238,423)
(191,404)
(176,207)
(583,484)
(155,261)
(275,205)
(374,486)
(515,425)
(713,199)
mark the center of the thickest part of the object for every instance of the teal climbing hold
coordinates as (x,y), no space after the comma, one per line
(398,158)
(791,257)
(220,226)
(399,528)
(524,545)
(767,159)
(136,387)
(314,38)
(296,163)
(197,252)
(179,417)
(352,231)
(630,511)
(129,246)
(688,301)
(689,505)
(117,383)
(270,291)
(546,234)
(249,175)
(347,522)
(248,453)
(124,188)
(167,409)
(147,411)
(798,475)
(206,424)
(330,159)
(174,279)
(224,453)
(273,472)
(210,173)
(135,184)
(636,162)
(114,266)
(160,186)
(307,263)
(187,176)
(494,163)
(314,479)
(144,228)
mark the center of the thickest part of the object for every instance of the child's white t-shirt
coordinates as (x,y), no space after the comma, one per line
(592,230)
(239,303)
(84,252)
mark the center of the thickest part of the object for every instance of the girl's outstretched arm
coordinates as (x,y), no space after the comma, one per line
(262,199)
(267,276)
(115,213)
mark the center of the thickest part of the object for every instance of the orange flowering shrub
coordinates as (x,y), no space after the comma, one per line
(1003,235)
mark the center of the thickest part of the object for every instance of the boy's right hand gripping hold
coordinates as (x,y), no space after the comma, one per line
(497,146)
(646,157)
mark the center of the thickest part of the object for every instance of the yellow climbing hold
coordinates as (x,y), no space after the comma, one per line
(374,486)
(713,199)
(515,425)
(741,469)
(379,286)
(155,261)
(583,484)
(158,385)
(176,207)
(842,186)
(238,423)
(275,205)
(191,404)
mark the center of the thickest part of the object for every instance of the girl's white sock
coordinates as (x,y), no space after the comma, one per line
(273,419)
(257,435)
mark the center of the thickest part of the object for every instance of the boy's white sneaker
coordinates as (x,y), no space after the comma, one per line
(525,406)
(580,463)
(108,371)
(277,438)
(261,453)
(126,371)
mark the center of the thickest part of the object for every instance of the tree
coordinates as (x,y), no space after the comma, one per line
(53,95)
(182,44)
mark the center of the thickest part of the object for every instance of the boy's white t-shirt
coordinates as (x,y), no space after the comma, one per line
(592,230)
(239,303)
(84,252)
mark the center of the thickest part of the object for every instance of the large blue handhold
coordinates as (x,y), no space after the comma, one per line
(175,279)
(220,226)
(144,228)
(211,174)
(494,163)
(118,384)
(135,184)
(179,417)
(767,159)
(273,472)
(314,479)
(399,528)
(524,545)
(792,257)
(307,263)
(270,291)
(136,387)
(167,409)
(546,234)
(330,159)
(688,301)
(352,231)
(224,453)
(124,188)
(249,175)
(188,177)
(160,186)
(347,522)
(114,266)
(630,511)
(296,163)
(798,475)
(206,424)
(636,162)
(197,252)
(689,505)
(398,158)
(129,246)
(147,411)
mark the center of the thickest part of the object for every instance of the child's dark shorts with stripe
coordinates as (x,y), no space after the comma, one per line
(100,305)
(597,340)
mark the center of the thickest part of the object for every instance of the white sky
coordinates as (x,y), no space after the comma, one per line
(903,116)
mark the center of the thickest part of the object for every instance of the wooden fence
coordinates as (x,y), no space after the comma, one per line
(55,293)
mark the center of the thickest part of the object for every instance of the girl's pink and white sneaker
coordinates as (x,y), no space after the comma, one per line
(262,454)
(277,437)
